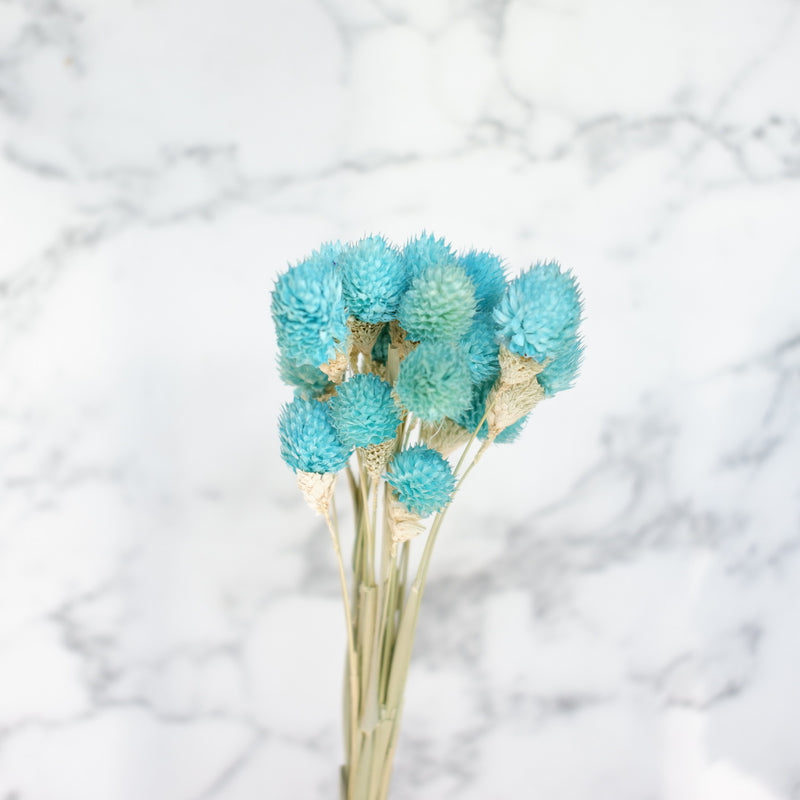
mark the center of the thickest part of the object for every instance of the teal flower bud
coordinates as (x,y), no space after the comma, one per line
(422,480)
(309,441)
(309,381)
(364,412)
(481,349)
(487,273)
(426,251)
(561,372)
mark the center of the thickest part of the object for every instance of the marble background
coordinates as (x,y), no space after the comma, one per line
(613,607)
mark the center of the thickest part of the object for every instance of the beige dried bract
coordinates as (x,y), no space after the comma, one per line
(336,368)
(403,524)
(377,456)
(444,436)
(317,489)
(516,392)
(364,334)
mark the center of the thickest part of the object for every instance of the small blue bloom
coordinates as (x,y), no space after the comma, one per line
(422,479)
(481,349)
(561,372)
(439,305)
(364,412)
(434,381)
(374,278)
(308,439)
(308,309)
(309,381)
(540,312)
(487,273)
(426,251)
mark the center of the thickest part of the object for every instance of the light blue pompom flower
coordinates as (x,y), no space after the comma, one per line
(434,382)
(487,273)
(309,381)
(364,412)
(439,305)
(426,251)
(309,441)
(374,278)
(481,349)
(539,312)
(308,309)
(422,479)
(561,372)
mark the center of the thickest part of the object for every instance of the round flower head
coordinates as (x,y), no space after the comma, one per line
(309,381)
(561,372)
(308,309)
(481,349)
(426,251)
(308,439)
(539,312)
(487,273)
(364,412)
(434,381)
(374,278)
(422,479)
(439,305)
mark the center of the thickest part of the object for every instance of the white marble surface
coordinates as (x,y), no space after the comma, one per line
(613,609)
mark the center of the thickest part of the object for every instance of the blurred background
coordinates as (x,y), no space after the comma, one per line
(612,607)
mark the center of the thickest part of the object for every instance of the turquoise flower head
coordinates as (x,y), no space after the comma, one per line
(561,372)
(422,480)
(426,251)
(434,381)
(308,309)
(374,278)
(439,305)
(309,381)
(487,273)
(309,441)
(364,412)
(539,312)
(481,350)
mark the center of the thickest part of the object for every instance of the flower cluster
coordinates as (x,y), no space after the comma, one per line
(410,349)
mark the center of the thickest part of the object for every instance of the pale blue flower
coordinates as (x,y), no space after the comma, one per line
(540,312)
(481,349)
(308,309)
(561,372)
(422,479)
(364,412)
(426,251)
(434,381)
(309,381)
(374,278)
(487,273)
(309,441)
(439,305)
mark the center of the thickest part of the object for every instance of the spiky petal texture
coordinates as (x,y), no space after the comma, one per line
(487,273)
(309,441)
(309,381)
(374,278)
(434,382)
(422,479)
(561,372)
(426,251)
(308,309)
(540,312)
(481,349)
(439,305)
(364,412)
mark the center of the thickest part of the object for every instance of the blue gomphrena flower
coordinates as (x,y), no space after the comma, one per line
(481,349)
(434,381)
(439,305)
(308,439)
(309,381)
(488,275)
(540,312)
(308,309)
(426,251)
(374,278)
(364,412)
(422,479)
(561,372)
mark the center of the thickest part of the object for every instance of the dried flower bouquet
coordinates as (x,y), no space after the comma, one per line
(400,358)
